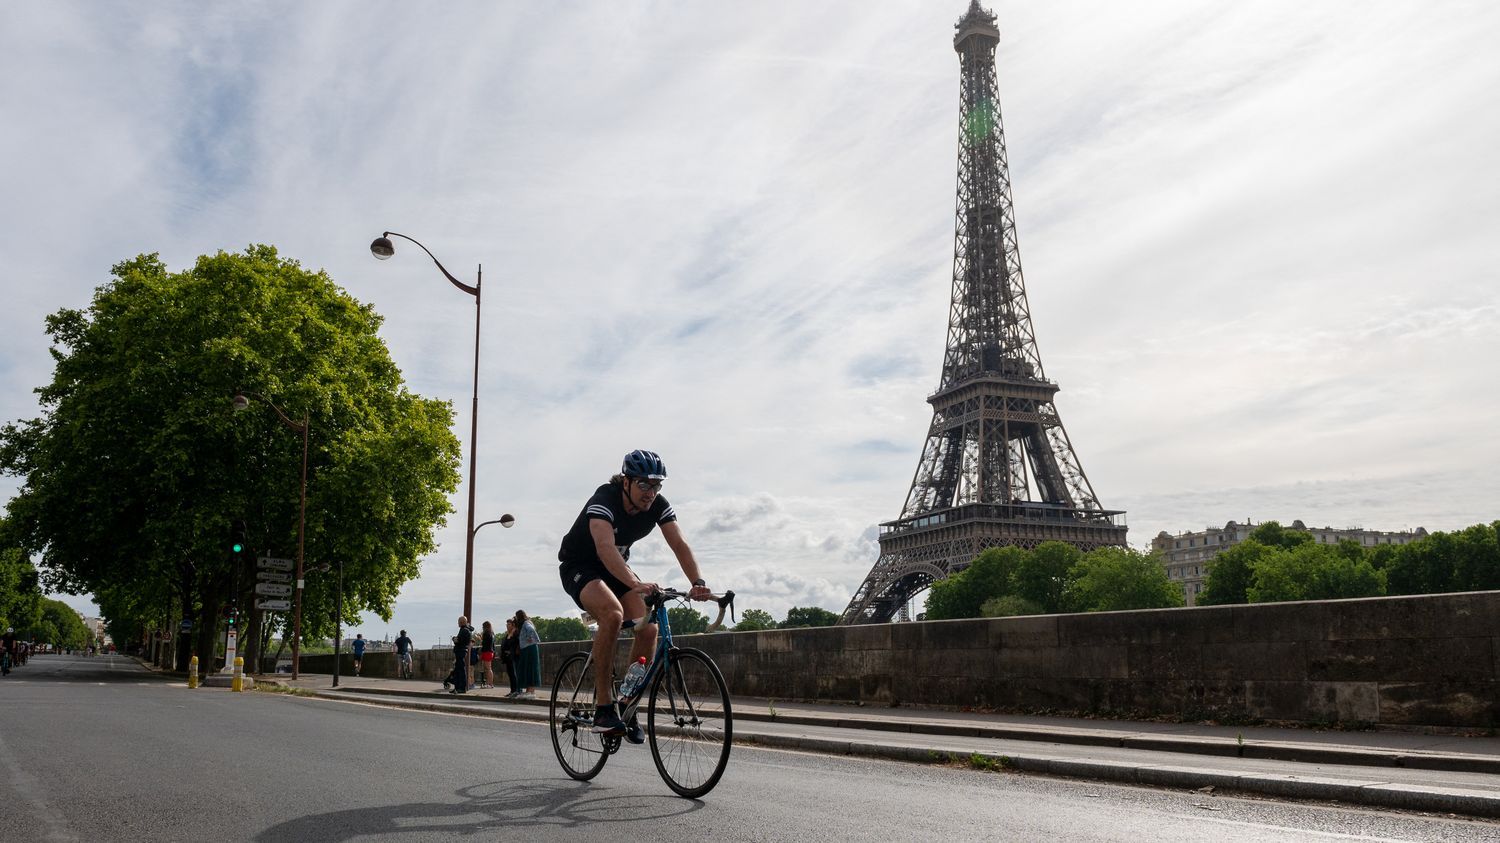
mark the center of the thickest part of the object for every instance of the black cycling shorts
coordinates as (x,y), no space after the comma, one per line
(576,575)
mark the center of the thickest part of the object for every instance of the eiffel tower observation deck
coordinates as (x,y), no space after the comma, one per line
(998,468)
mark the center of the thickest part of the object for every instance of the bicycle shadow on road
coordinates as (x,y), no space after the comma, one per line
(557,803)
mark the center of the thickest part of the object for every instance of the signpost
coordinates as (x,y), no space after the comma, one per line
(268,563)
(273,605)
(272,576)
(273,589)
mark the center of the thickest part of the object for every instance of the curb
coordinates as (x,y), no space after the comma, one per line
(1372,792)
(1223,747)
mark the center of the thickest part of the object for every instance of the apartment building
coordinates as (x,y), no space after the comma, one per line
(1186,555)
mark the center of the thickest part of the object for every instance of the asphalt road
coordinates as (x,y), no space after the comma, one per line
(101,749)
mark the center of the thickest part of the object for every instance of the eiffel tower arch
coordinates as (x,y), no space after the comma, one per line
(998,467)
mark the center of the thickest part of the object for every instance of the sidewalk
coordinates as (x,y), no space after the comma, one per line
(1393,769)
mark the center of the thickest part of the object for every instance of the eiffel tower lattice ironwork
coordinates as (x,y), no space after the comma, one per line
(998,468)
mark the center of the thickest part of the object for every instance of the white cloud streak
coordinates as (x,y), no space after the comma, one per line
(1258,240)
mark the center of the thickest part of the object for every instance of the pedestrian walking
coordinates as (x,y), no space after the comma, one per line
(510,647)
(487,655)
(529,658)
(359,652)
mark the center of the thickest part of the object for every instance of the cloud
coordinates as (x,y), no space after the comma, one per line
(1258,243)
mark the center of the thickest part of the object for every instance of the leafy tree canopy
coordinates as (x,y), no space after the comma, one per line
(686,620)
(1114,578)
(754,619)
(558,629)
(807,616)
(137,467)
(20,594)
(1313,572)
(1232,571)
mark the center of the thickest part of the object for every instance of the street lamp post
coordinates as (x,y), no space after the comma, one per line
(240,403)
(383,249)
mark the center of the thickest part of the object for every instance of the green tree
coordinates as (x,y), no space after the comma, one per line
(808,616)
(61,626)
(1113,578)
(138,466)
(1008,606)
(992,574)
(20,594)
(686,620)
(1313,572)
(1231,573)
(558,629)
(1043,577)
(753,619)
(1272,534)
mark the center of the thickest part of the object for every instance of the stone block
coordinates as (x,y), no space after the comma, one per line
(908,636)
(773,641)
(1400,660)
(1255,660)
(1344,702)
(1021,662)
(1466,615)
(1471,703)
(949,663)
(1100,662)
(867,637)
(1029,631)
(1276,700)
(956,635)
(1300,621)
(1152,661)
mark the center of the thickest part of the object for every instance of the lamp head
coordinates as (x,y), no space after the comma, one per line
(382,248)
(507,520)
(240,402)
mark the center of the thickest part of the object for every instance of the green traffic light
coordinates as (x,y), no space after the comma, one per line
(237,547)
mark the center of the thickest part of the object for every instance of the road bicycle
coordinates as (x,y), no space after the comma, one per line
(689,721)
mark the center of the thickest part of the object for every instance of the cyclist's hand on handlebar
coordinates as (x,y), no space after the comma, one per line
(700,592)
(645,588)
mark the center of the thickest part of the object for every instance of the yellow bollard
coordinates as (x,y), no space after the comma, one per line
(193,672)
(238,682)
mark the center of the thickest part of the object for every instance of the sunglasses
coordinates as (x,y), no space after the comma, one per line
(648,485)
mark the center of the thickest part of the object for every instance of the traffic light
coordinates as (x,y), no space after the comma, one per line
(237,537)
(233,616)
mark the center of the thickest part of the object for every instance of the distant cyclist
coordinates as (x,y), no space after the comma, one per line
(403,656)
(596,573)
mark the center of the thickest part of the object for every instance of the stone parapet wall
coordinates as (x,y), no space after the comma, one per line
(1423,660)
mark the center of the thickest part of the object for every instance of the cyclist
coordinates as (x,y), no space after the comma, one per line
(595,571)
(403,656)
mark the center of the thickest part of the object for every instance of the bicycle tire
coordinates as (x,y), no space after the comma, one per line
(580,752)
(690,723)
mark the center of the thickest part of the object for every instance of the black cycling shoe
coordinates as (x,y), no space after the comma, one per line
(607,721)
(633,731)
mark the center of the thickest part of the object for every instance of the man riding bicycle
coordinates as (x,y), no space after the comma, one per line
(596,573)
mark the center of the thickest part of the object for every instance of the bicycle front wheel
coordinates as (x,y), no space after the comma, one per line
(581,752)
(690,723)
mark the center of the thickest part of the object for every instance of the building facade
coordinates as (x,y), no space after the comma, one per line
(1186,556)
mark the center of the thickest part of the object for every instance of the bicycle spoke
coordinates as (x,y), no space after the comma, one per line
(690,723)
(580,751)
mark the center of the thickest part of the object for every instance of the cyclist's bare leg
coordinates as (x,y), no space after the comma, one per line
(600,602)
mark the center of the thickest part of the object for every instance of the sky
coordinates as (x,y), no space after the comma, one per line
(1259,240)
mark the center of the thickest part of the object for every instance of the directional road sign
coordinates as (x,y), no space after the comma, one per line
(273,589)
(273,605)
(269,563)
(272,576)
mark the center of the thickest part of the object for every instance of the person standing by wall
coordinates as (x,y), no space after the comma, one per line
(487,655)
(459,678)
(510,648)
(529,659)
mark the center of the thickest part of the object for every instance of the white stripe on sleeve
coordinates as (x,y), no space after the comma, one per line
(601,511)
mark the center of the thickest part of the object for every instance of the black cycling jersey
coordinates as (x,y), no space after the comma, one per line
(608,504)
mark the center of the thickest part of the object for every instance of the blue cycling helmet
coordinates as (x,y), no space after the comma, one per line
(644,464)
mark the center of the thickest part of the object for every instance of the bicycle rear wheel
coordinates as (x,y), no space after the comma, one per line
(581,752)
(690,723)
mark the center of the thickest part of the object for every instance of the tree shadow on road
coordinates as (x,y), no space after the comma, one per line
(487,808)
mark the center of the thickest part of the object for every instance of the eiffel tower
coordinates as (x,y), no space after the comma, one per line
(998,468)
